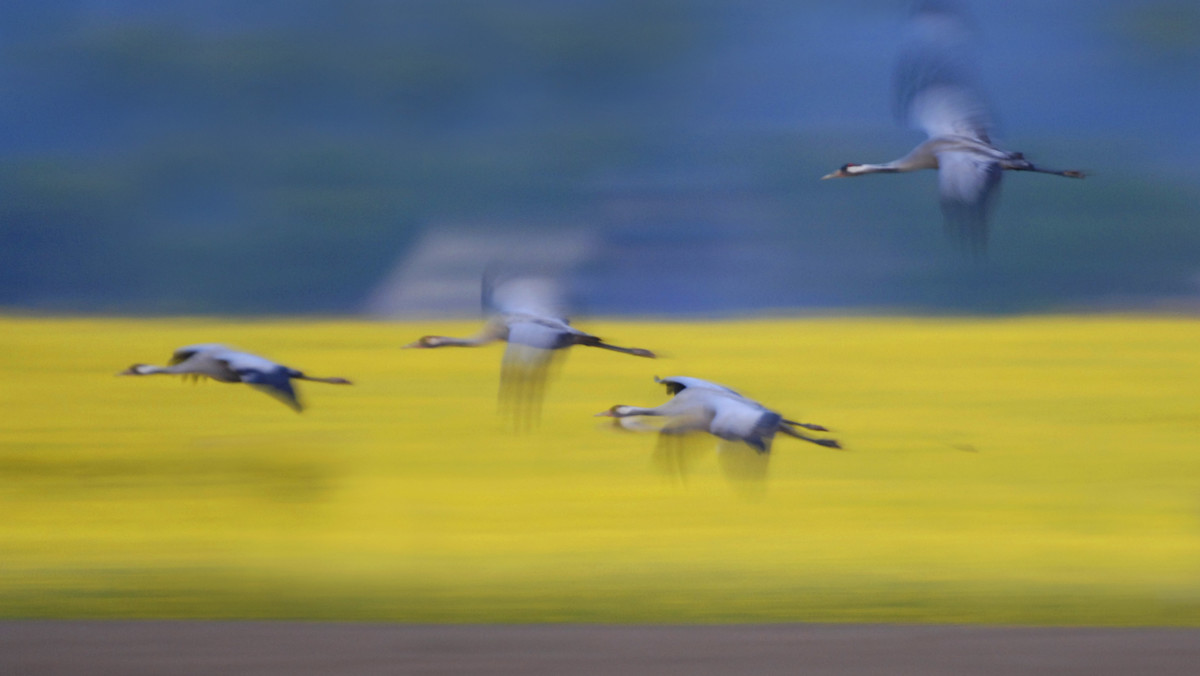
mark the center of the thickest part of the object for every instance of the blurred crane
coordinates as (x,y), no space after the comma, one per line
(212,360)
(528,315)
(936,92)
(700,406)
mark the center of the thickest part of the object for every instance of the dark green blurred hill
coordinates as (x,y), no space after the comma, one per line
(279,157)
(241,161)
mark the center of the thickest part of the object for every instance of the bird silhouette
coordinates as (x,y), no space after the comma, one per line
(226,365)
(527,314)
(936,92)
(701,406)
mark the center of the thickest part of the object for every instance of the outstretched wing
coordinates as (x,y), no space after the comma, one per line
(536,296)
(275,382)
(529,356)
(968,186)
(676,384)
(936,90)
(678,451)
(745,469)
(189,351)
(264,374)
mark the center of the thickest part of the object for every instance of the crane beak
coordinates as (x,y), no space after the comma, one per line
(604,414)
(837,174)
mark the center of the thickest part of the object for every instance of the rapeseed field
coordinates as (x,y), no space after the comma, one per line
(1037,470)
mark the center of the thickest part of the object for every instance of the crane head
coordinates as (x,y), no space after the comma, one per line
(426,341)
(618,411)
(844,171)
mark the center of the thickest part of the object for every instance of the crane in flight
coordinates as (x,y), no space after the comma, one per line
(527,314)
(226,365)
(745,427)
(936,92)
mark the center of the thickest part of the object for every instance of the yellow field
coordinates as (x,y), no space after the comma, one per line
(1037,470)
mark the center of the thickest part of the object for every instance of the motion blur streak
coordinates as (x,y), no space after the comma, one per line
(1020,470)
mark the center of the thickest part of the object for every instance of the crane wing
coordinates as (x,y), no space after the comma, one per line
(935,85)
(968,185)
(744,468)
(947,110)
(275,382)
(188,351)
(524,371)
(678,450)
(264,374)
(676,384)
(538,296)
(211,364)
(539,333)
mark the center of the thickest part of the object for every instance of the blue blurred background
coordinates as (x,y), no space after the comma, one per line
(662,156)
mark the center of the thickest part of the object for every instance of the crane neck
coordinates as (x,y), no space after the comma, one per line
(452,341)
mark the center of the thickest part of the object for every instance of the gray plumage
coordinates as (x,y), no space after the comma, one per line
(936,91)
(226,365)
(701,406)
(528,315)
